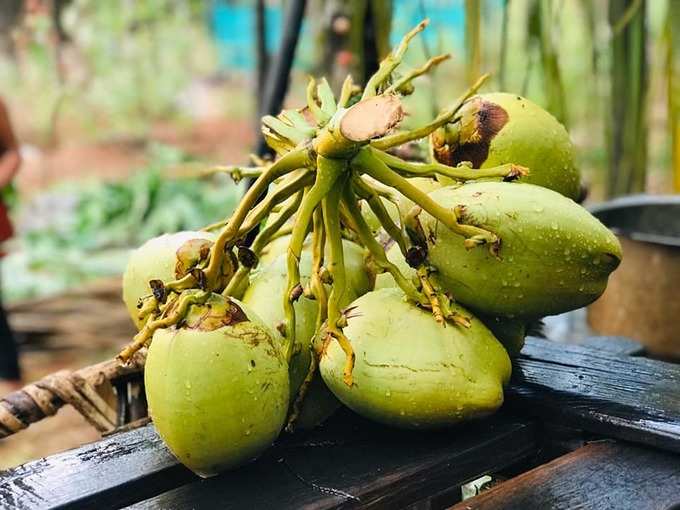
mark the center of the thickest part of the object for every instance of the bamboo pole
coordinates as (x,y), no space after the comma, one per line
(628,98)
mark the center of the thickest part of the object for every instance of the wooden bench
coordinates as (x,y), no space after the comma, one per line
(587,426)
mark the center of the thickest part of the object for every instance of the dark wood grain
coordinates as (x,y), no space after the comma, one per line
(363,465)
(598,476)
(110,473)
(614,395)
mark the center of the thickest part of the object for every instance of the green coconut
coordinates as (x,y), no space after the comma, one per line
(264,296)
(156,259)
(498,128)
(554,255)
(217,386)
(509,332)
(411,371)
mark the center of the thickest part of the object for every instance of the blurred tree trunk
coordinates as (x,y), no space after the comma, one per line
(628,100)
(542,22)
(673,75)
(10,14)
(352,36)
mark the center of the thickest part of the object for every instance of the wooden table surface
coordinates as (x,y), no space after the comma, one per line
(351,462)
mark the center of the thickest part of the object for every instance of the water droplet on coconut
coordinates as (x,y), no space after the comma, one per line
(554,225)
(388,393)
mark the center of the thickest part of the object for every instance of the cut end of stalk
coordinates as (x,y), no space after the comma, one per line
(371,118)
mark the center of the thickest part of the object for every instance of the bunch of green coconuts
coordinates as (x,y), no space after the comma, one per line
(399,289)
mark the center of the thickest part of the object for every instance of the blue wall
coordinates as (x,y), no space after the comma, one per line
(233,29)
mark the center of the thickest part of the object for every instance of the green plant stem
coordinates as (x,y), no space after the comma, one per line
(458,173)
(414,73)
(287,163)
(390,63)
(387,142)
(327,173)
(377,251)
(178,313)
(336,267)
(238,282)
(366,161)
(365,191)
(316,285)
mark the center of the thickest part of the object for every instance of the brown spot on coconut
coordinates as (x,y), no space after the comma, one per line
(497,129)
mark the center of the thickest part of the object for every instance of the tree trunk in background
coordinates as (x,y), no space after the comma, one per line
(261,55)
(10,14)
(541,28)
(628,101)
(673,74)
(352,36)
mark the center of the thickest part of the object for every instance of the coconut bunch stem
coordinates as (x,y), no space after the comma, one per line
(326,152)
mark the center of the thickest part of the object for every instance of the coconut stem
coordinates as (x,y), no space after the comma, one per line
(284,192)
(319,116)
(399,85)
(237,284)
(373,166)
(444,117)
(316,285)
(377,251)
(366,192)
(336,266)
(302,392)
(390,63)
(237,173)
(327,173)
(291,185)
(177,314)
(289,162)
(462,172)
(346,92)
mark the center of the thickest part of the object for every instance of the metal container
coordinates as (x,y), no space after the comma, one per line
(642,300)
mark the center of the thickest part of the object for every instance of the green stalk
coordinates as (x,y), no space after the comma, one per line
(503,57)
(628,99)
(328,171)
(673,77)
(473,39)
(366,161)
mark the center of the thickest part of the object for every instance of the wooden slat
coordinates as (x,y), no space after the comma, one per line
(598,476)
(617,396)
(614,344)
(360,465)
(110,473)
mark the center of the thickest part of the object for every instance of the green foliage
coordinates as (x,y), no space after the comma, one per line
(92,238)
(125,66)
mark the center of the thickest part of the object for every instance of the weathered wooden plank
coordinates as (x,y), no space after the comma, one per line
(365,465)
(614,344)
(618,396)
(597,476)
(110,473)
